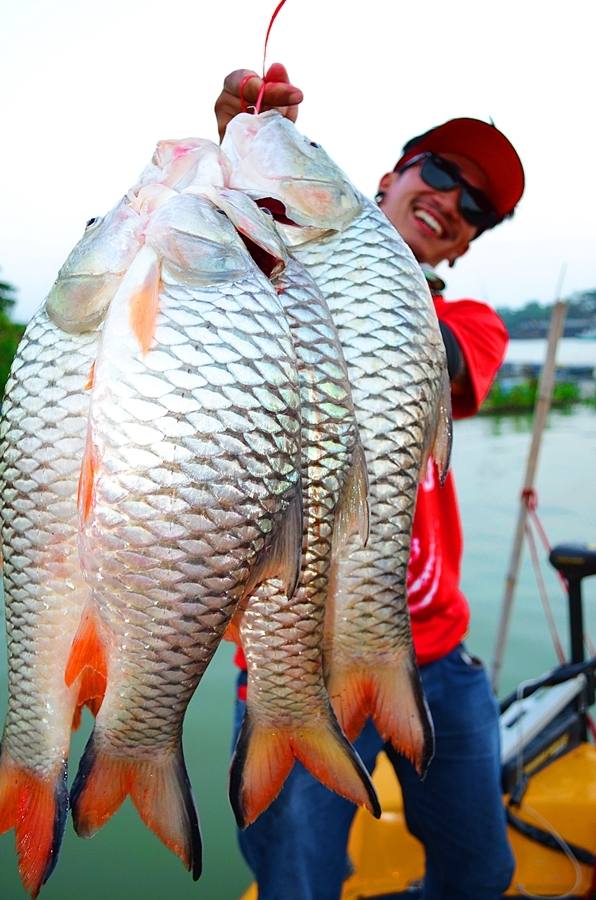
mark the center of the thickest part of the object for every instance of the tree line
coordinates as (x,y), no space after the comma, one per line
(10,332)
(532,320)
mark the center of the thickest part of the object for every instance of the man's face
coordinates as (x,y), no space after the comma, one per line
(429,220)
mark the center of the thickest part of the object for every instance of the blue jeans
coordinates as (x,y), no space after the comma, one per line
(297,848)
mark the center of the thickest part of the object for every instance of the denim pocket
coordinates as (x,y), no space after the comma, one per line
(473,662)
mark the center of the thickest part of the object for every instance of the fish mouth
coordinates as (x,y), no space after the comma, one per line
(277,210)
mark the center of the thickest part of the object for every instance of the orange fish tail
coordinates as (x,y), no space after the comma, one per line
(36,808)
(159,789)
(264,757)
(393,697)
(87,661)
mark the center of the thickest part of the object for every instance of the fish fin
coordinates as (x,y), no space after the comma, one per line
(144,306)
(88,660)
(282,557)
(262,761)
(159,789)
(352,510)
(264,757)
(443,437)
(86,488)
(91,379)
(36,808)
(393,697)
(232,632)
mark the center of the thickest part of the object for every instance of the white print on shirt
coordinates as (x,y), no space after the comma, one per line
(422,589)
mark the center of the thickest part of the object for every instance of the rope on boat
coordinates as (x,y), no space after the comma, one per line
(529,498)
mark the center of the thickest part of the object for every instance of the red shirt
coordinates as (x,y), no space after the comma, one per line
(438,609)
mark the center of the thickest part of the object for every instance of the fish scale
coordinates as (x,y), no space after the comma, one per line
(389,333)
(174,529)
(395,359)
(282,637)
(44,591)
(165,522)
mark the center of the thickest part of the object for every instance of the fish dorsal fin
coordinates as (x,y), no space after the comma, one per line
(352,511)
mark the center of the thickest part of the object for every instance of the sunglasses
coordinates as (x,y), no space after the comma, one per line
(442,175)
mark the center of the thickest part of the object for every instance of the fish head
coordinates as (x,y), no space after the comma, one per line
(272,161)
(188,164)
(93,270)
(196,242)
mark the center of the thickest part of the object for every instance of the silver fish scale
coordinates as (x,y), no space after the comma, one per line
(196,470)
(281,637)
(42,436)
(388,329)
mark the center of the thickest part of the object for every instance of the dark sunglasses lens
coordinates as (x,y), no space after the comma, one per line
(437,176)
(475,209)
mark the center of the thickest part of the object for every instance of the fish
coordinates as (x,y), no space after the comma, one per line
(288,713)
(190,497)
(55,663)
(42,440)
(389,333)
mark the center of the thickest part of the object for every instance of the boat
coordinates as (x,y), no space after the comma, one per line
(548,778)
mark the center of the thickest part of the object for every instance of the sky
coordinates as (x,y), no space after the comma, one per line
(88,88)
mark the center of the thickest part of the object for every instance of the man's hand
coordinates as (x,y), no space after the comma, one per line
(279,94)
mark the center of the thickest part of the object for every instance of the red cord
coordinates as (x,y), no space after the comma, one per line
(257,107)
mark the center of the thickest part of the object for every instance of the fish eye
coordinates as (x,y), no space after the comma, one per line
(92,221)
(313,144)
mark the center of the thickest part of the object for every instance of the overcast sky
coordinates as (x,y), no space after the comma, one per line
(88,88)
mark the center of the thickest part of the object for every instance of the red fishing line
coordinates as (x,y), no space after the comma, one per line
(243,104)
(262,91)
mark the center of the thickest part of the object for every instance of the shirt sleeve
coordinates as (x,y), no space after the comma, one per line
(482,338)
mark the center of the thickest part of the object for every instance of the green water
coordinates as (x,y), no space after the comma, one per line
(124,859)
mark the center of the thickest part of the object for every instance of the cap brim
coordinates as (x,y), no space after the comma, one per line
(485,146)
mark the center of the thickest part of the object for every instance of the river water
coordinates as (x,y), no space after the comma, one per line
(124,859)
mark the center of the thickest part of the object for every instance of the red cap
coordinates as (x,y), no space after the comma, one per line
(485,146)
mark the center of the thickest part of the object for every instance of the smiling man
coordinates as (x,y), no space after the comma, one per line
(450,185)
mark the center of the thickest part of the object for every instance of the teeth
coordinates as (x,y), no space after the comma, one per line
(430,220)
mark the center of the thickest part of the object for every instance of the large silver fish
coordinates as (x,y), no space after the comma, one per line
(190,497)
(389,332)
(288,714)
(42,441)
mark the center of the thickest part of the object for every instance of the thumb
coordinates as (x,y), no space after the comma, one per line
(277,72)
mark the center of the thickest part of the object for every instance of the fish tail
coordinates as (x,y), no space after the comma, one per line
(87,662)
(36,808)
(393,697)
(160,790)
(264,757)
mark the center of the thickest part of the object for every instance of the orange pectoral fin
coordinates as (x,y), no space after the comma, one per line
(144,305)
(36,808)
(91,379)
(87,661)
(85,493)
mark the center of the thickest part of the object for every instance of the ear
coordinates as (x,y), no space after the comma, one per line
(387,180)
